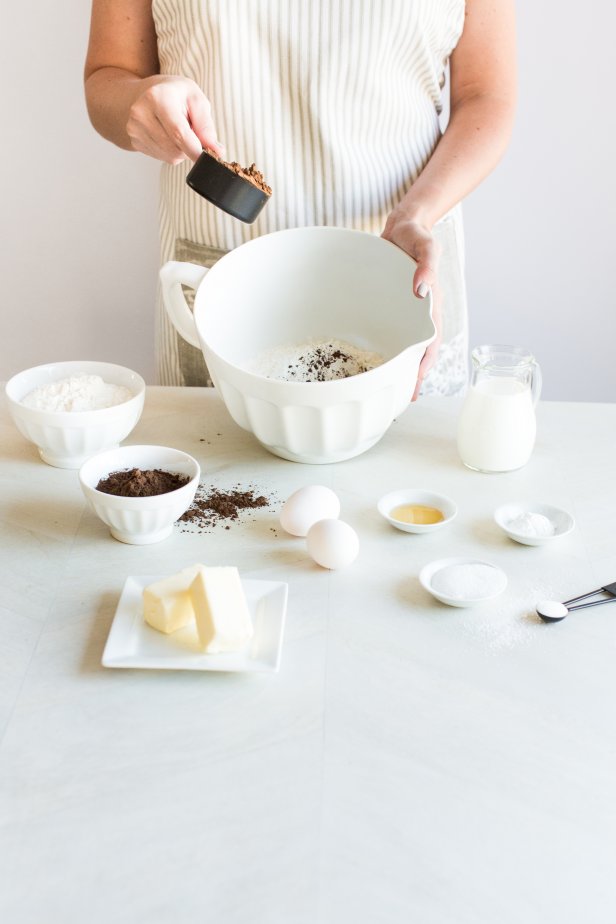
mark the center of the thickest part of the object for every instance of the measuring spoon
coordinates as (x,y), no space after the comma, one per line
(552,611)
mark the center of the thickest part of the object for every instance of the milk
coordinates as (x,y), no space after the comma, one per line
(497,426)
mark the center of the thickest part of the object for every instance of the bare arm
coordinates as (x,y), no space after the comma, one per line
(129,102)
(483,94)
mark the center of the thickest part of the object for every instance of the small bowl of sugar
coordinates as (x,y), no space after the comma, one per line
(462,581)
(73,410)
(531,523)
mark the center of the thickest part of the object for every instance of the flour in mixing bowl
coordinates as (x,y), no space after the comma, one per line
(314,361)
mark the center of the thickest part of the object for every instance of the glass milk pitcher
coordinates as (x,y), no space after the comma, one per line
(497,425)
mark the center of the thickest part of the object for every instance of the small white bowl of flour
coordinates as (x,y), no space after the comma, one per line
(72,410)
(76,393)
(533,523)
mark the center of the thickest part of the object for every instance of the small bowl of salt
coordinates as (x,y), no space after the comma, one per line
(73,410)
(463,581)
(533,523)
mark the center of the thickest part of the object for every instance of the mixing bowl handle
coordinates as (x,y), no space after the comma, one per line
(174,275)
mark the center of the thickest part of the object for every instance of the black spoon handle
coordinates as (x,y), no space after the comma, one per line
(608,589)
(583,606)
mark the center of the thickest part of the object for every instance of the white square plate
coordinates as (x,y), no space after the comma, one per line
(132,643)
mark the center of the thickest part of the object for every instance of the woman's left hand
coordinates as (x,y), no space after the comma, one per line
(415,239)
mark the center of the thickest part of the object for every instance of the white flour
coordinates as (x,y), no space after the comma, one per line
(76,393)
(532,524)
(314,361)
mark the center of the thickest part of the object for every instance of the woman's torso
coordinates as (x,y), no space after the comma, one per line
(336,101)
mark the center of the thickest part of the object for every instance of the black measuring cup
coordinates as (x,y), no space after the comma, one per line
(225,189)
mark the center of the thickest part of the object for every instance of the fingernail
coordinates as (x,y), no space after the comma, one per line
(422,289)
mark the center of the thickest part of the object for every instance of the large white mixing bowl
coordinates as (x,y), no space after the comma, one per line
(301,285)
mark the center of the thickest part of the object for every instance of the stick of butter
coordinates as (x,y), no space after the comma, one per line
(167,604)
(221,612)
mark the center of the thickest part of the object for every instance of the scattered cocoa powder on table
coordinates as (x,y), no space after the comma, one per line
(137,483)
(213,507)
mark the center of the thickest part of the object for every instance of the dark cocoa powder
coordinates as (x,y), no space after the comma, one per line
(212,507)
(137,483)
(252,174)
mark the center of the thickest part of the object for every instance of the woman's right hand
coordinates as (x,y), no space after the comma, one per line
(171,120)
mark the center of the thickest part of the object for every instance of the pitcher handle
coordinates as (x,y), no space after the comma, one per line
(173,275)
(537,383)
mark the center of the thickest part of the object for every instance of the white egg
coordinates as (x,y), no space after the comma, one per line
(332,544)
(306,506)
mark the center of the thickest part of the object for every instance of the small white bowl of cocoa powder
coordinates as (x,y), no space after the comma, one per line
(140,491)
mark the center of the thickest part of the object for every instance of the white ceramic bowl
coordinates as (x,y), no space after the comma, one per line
(428,572)
(67,438)
(140,520)
(562,521)
(304,285)
(394,499)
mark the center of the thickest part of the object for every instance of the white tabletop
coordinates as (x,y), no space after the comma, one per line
(409,762)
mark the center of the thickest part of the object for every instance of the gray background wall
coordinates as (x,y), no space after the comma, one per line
(79,250)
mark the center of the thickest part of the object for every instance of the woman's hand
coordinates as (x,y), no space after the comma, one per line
(415,239)
(171,120)
(129,101)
